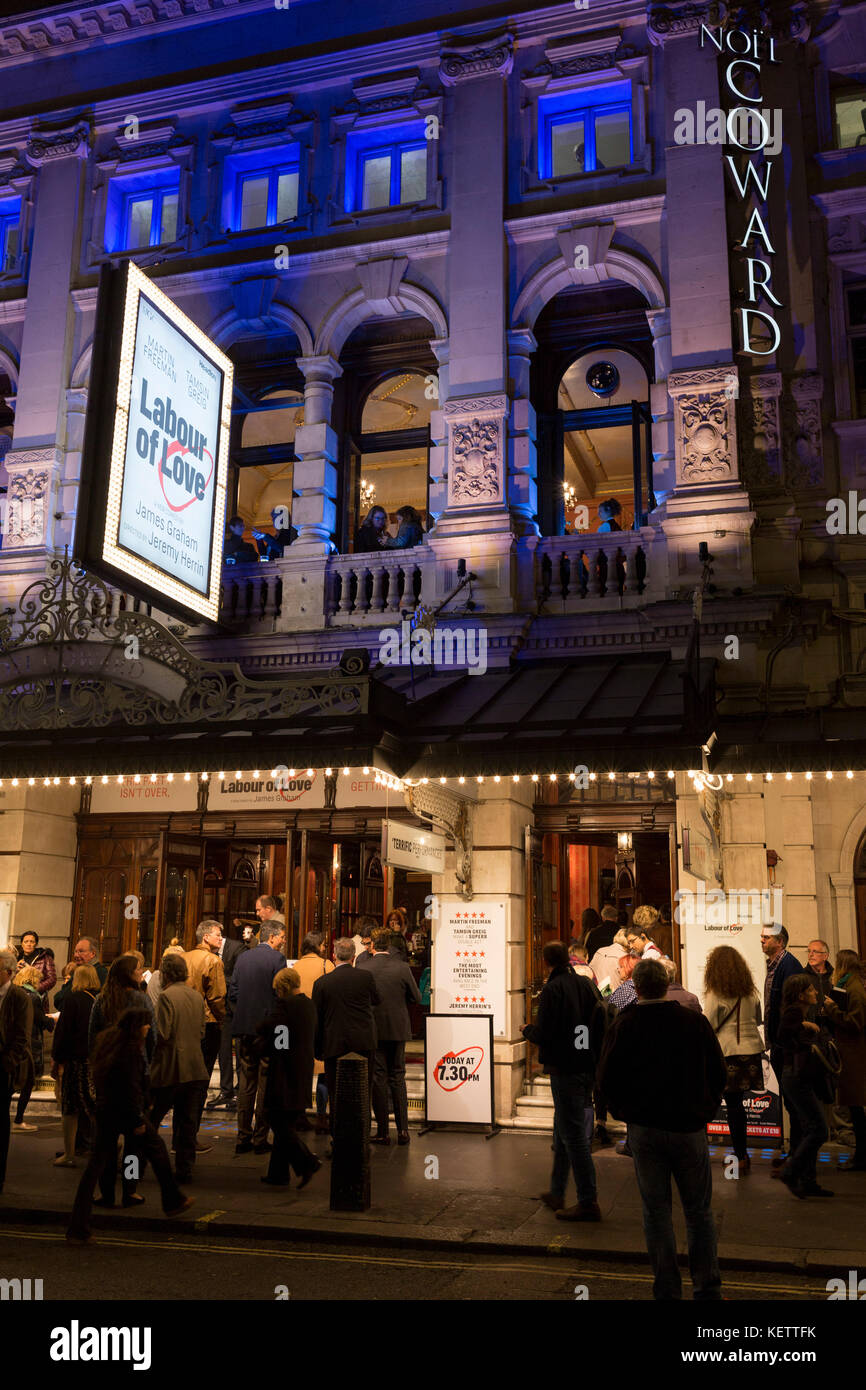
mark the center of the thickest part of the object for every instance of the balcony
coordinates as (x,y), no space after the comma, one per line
(563,574)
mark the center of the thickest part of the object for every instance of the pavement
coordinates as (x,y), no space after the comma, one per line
(451,1188)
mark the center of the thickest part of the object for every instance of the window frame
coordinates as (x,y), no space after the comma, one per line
(395,150)
(841,92)
(272,172)
(588,114)
(9,221)
(852,332)
(157,196)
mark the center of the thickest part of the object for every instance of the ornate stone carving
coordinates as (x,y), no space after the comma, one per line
(25,508)
(44,146)
(583,62)
(476,430)
(460,64)
(671,21)
(803,434)
(79,25)
(453,815)
(705,427)
(761,445)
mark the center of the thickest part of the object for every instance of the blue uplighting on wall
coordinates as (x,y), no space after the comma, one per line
(259,164)
(127,190)
(10,232)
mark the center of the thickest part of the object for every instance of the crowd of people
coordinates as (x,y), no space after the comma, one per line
(615,1029)
(269,545)
(666,1070)
(373,532)
(131,1045)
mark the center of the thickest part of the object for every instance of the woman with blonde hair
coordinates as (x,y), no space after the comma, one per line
(849,1033)
(733,1007)
(77,1098)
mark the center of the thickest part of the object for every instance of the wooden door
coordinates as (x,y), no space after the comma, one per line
(179,892)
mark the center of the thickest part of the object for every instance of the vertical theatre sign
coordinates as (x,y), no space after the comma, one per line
(753,131)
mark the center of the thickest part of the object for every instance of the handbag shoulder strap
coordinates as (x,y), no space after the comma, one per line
(735,1010)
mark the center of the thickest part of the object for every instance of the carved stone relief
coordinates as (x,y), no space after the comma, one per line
(760,446)
(461,64)
(476,450)
(705,427)
(26,508)
(803,435)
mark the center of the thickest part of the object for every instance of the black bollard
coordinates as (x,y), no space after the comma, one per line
(350,1166)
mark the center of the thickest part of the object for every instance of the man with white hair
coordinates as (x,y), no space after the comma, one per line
(16,1020)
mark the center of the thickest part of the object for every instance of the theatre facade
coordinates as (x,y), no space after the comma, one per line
(484,267)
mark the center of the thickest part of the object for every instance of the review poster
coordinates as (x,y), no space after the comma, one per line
(469,958)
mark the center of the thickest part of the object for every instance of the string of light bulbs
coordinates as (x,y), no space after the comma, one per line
(394,783)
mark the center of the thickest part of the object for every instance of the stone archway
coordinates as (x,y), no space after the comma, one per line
(847,899)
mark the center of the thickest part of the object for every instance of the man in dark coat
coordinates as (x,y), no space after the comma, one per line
(569,1033)
(397,990)
(287,1036)
(780,966)
(344,1001)
(819,969)
(16,1021)
(251,998)
(662,1071)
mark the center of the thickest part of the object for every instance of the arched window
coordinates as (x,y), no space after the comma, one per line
(265,464)
(394,447)
(590,387)
(603,400)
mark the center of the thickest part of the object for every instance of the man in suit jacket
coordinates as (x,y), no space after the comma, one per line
(251,998)
(229,952)
(780,967)
(178,1073)
(16,1021)
(344,1002)
(397,990)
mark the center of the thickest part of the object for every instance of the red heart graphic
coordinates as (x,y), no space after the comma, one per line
(183,449)
(451,1060)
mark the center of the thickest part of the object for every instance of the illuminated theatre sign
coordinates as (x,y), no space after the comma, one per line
(746,51)
(156,450)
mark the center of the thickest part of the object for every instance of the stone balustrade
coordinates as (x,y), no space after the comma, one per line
(600,570)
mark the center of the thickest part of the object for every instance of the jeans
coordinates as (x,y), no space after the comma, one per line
(321,1096)
(147,1146)
(659,1155)
(571,1146)
(253,1076)
(183,1100)
(210,1046)
(812,1127)
(227,1059)
(793,1120)
(737,1122)
(389,1075)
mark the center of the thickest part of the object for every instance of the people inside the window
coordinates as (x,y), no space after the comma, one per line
(410,530)
(373,531)
(608,512)
(271,547)
(238,551)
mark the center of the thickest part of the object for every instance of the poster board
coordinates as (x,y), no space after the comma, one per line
(458,1069)
(469,964)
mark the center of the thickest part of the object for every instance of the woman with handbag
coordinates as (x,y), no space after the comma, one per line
(849,1032)
(733,1006)
(807,1085)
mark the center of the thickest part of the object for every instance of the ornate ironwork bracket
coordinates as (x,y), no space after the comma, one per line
(453,815)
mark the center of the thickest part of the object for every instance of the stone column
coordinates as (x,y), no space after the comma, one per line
(697,260)
(314,513)
(522,460)
(498,820)
(664,475)
(476,524)
(35,463)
